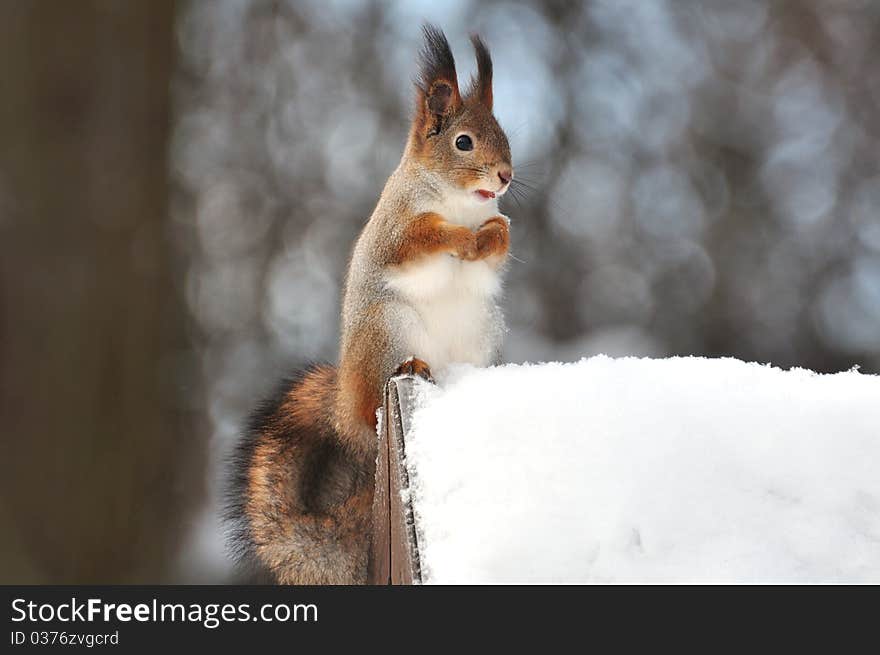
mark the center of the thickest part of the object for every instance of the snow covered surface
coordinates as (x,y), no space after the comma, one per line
(647,471)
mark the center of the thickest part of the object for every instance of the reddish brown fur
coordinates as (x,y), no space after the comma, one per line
(429,234)
(437,151)
(481,84)
(493,240)
(366,395)
(303,489)
(360,384)
(306,403)
(442,113)
(415,366)
(437,94)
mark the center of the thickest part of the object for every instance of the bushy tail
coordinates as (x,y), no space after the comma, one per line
(299,504)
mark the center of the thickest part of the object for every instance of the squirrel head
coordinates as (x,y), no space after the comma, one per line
(457,138)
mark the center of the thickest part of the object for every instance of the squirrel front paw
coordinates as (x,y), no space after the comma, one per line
(466,248)
(493,238)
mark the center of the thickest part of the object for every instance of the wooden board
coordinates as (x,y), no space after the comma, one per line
(394,555)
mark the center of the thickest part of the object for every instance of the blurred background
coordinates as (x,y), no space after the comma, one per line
(181,184)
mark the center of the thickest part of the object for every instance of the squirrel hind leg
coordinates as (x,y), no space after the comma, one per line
(415,367)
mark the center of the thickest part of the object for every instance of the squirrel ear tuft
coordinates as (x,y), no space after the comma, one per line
(438,94)
(481,85)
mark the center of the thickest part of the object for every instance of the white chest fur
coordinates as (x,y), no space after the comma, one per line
(446,310)
(460,207)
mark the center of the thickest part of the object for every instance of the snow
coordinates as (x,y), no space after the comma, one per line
(682,470)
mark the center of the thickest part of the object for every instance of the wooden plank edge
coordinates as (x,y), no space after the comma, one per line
(408,565)
(394,551)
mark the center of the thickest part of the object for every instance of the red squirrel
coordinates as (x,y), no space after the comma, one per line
(421,292)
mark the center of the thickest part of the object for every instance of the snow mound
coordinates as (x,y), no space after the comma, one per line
(647,471)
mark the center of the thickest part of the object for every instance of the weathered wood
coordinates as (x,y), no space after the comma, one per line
(379,570)
(394,557)
(405,562)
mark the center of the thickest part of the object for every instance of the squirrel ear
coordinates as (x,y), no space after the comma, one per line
(481,85)
(438,94)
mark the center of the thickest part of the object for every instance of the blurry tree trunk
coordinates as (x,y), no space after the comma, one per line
(96,462)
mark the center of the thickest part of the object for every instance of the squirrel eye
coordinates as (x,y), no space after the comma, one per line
(464,142)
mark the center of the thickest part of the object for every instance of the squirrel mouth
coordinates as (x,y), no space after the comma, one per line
(485,194)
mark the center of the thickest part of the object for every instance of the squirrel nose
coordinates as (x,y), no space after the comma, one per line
(505,176)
